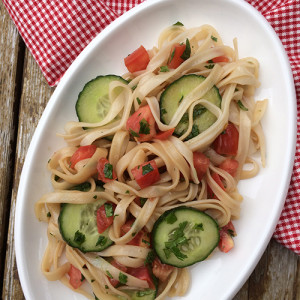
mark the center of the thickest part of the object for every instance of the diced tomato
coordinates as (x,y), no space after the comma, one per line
(226,241)
(175,59)
(138,60)
(81,153)
(227,142)
(142,273)
(220,59)
(163,135)
(146,174)
(141,124)
(216,177)
(160,270)
(201,164)
(115,282)
(141,239)
(230,166)
(105,170)
(76,277)
(104,221)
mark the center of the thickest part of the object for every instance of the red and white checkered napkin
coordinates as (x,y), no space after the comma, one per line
(57,31)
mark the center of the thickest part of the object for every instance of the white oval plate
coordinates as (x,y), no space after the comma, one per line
(221,276)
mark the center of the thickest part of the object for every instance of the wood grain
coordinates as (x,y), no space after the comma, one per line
(24,94)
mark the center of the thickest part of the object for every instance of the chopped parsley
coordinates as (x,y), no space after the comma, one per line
(198,110)
(163,111)
(194,132)
(144,127)
(178,24)
(122,278)
(79,237)
(199,227)
(210,66)
(133,133)
(172,56)
(187,52)
(108,274)
(146,242)
(150,257)
(109,211)
(231,232)
(95,197)
(164,69)
(49,214)
(143,201)
(82,277)
(214,38)
(108,171)
(101,241)
(83,187)
(241,105)
(180,100)
(127,192)
(147,169)
(138,100)
(171,218)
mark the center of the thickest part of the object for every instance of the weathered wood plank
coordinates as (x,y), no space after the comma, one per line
(10,47)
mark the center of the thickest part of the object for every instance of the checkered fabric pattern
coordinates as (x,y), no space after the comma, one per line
(57,31)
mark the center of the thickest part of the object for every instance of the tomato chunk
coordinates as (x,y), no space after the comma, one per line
(175,59)
(81,153)
(230,166)
(105,216)
(160,270)
(141,239)
(105,170)
(138,60)
(226,241)
(216,177)
(201,164)
(220,59)
(142,273)
(227,142)
(163,135)
(76,278)
(141,124)
(146,174)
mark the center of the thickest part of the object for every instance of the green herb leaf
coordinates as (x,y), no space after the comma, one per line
(231,232)
(145,242)
(49,214)
(109,211)
(144,127)
(178,24)
(101,241)
(150,257)
(199,227)
(172,56)
(143,201)
(133,133)
(82,278)
(171,218)
(180,99)
(79,237)
(241,106)
(138,100)
(127,192)
(214,38)
(198,110)
(108,274)
(164,69)
(108,171)
(194,132)
(122,278)
(147,169)
(187,52)
(83,187)
(163,111)
(210,66)
(95,197)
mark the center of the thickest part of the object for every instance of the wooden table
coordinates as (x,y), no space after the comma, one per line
(24,94)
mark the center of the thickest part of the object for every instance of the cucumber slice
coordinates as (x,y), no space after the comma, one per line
(183,236)
(175,92)
(146,294)
(78,227)
(93,103)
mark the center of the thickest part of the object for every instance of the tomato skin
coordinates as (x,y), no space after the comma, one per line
(81,153)
(163,135)
(175,60)
(227,142)
(216,177)
(226,241)
(142,273)
(138,60)
(103,222)
(76,278)
(201,164)
(147,179)
(101,167)
(220,59)
(134,124)
(230,166)
(141,239)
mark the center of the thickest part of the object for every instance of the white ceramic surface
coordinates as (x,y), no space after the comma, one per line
(222,275)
